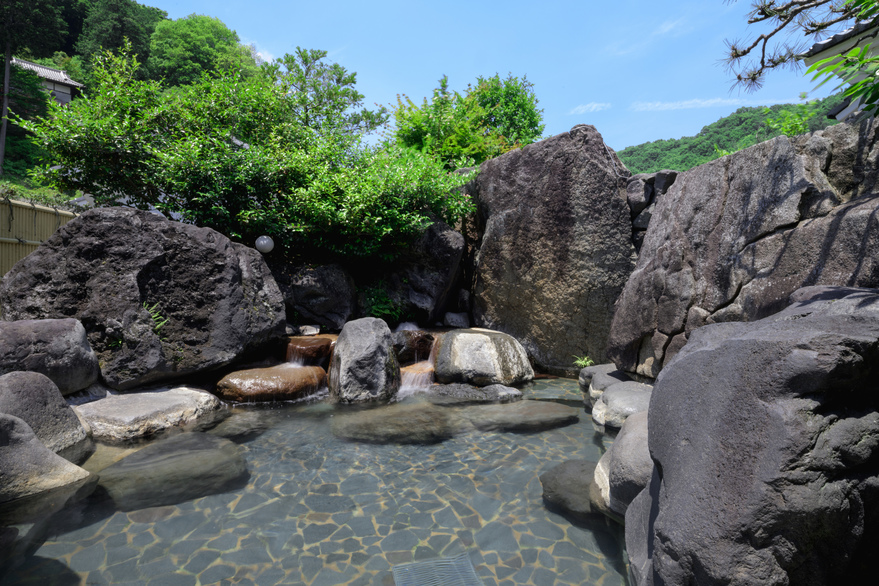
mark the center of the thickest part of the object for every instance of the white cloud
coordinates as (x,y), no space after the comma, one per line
(701,103)
(590,107)
(674,28)
(668,26)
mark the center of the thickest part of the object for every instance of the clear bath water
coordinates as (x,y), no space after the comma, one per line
(320,511)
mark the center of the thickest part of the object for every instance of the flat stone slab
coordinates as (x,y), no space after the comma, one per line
(402,423)
(463,394)
(619,401)
(173,470)
(520,416)
(134,415)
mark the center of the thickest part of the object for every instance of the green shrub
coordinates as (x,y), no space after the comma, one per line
(227,153)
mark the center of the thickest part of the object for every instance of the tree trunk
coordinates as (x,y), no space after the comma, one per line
(4,109)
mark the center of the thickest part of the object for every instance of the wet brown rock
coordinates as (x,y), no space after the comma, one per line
(284,382)
(309,349)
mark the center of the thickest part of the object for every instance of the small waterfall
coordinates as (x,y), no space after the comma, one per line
(295,356)
(407,325)
(310,350)
(416,378)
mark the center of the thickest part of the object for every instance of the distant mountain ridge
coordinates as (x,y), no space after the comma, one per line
(743,128)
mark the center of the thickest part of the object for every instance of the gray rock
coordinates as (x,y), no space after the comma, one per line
(57,348)
(603,378)
(639,519)
(364,366)
(456,320)
(521,416)
(481,357)
(27,467)
(767,438)
(625,469)
(552,236)
(400,423)
(639,192)
(128,416)
(733,238)
(587,373)
(566,486)
(123,272)
(323,295)
(35,399)
(174,470)
(619,401)
(461,394)
(642,220)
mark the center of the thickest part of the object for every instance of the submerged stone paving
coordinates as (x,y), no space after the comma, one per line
(321,511)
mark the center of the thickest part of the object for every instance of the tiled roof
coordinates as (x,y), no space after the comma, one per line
(839,38)
(50,73)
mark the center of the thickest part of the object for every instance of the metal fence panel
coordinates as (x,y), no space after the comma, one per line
(23,227)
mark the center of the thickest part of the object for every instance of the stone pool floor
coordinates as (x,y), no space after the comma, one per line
(320,511)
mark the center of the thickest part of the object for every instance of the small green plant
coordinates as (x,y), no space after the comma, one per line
(378,303)
(583,361)
(719,152)
(159,320)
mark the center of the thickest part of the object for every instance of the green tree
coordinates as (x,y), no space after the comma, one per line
(73,12)
(181,50)
(226,153)
(110,22)
(510,108)
(322,93)
(492,118)
(28,100)
(32,24)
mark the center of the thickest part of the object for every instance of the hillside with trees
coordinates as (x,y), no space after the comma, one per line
(743,128)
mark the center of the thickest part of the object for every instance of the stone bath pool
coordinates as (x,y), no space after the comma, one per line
(317,510)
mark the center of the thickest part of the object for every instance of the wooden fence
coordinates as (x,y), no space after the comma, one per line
(23,227)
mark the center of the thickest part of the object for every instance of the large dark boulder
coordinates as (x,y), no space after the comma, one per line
(364,366)
(34,398)
(765,437)
(57,348)
(733,238)
(124,272)
(429,273)
(324,295)
(553,245)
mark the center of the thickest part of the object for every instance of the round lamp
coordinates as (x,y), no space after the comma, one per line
(264,244)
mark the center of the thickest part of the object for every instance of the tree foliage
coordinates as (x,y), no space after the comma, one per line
(182,50)
(28,100)
(35,24)
(492,118)
(808,20)
(743,128)
(322,94)
(227,152)
(109,22)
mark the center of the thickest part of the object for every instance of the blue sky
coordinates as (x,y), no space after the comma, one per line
(637,70)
